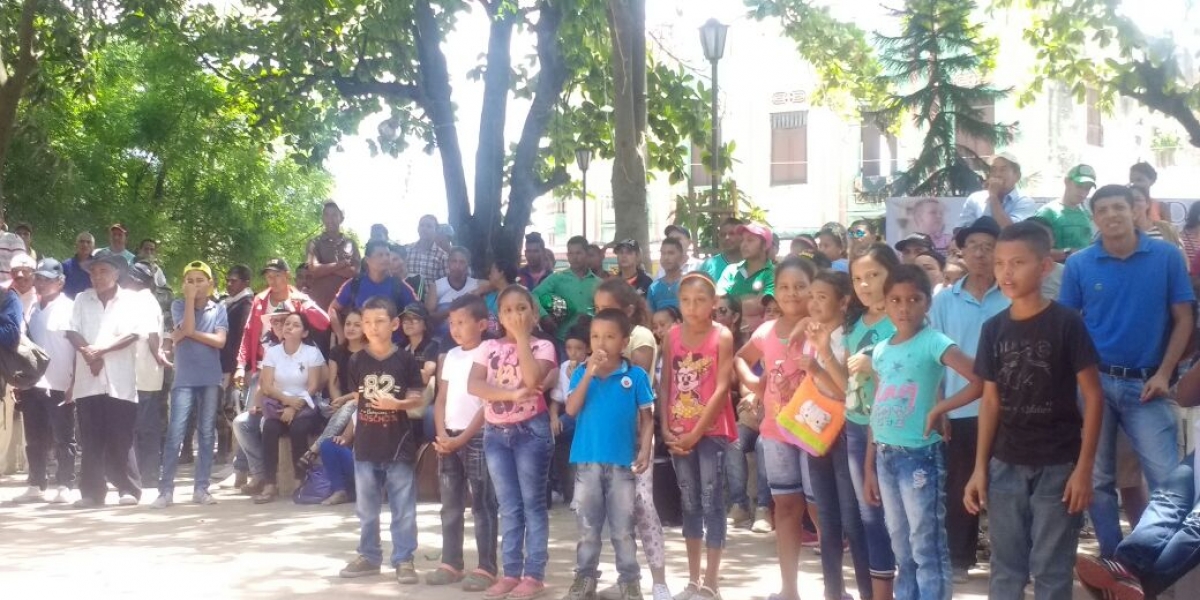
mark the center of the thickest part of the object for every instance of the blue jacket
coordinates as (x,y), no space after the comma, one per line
(12,315)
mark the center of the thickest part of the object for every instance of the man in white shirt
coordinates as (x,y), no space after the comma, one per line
(1000,198)
(104,326)
(150,429)
(681,233)
(49,418)
(456,284)
(21,268)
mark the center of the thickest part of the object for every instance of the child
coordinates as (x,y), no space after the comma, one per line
(641,351)
(612,400)
(459,420)
(869,323)
(771,310)
(342,407)
(911,483)
(663,320)
(388,380)
(698,425)
(507,375)
(772,346)
(1034,448)
(562,426)
(830,481)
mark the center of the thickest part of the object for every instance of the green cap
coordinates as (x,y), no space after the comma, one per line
(1082,174)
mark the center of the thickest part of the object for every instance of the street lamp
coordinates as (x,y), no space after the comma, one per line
(583,158)
(712,40)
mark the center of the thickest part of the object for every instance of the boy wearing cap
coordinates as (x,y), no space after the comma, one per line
(1070,221)
(629,266)
(201,326)
(1000,199)
(753,277)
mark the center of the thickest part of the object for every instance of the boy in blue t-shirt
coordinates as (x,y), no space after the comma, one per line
(612,402)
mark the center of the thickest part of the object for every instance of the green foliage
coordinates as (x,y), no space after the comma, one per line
(166,149)
(938,52)
(694,212)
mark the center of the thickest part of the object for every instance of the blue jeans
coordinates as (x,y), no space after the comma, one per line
(518,459)
(186,401)
(338,461)
(1151,429)
(838,516)
(1031,532)
(912,484)
(1165,546)
(461,472)
(738,477)
(605,493)
(879,544)
(701,477)
(784,464)
(371,480)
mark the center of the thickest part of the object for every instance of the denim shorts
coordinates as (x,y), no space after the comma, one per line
(787,467)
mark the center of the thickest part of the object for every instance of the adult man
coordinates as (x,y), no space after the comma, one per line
(535,270)
(960,312)
(332,258)
(574,287)
(148,253)
(1142,175)
(680,234)
(75,268)
(49,419)
(117,237)
(279,292)
(21,269)
(25,230)
(595,261)
(748,280)
(237,307)
(150,363)
(456,284)
(1000,199)
(731,249)
(104,326)
(1068,218)
(664,292)
(379,231)
(445,237)
(425,257)
(1136,300)
(629,266)
(914,245)
(376,281)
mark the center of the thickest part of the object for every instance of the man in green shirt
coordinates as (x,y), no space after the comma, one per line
(1071,222)
(748,280)
(731,249)
(575,287)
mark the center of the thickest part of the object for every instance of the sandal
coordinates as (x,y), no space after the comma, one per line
(691,592)
(707,593)
(268,495)
(444,575)
(478,581)
(309,458)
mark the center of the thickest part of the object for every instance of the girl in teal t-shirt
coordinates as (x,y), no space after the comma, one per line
(907,472)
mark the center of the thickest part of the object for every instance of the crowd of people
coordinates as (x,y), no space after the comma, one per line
(1028,366)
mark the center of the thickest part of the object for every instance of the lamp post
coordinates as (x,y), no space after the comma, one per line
(712,40)
(583,158)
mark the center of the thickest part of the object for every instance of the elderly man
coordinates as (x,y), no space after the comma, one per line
(425,257)
(75,268)
(1000,199)
(21,269)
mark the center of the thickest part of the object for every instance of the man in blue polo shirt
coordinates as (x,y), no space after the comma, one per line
(1136,300)
(375,281)
(960,312)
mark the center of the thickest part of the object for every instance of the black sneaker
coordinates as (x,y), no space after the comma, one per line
(360,567)
(584,588)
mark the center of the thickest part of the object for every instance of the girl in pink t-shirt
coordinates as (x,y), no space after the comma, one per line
(698,423)
(509,376)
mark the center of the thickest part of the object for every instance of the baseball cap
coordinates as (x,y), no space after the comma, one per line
(415,309)
(280,310)
(983,224)
(49,269)
(141,272)
(118,226)
(680,228)
(106,256)
(197,265)
(915,238)
(1082,174)
(761,231)
(22,260)
(276,264)
(1006,157)
(630,244)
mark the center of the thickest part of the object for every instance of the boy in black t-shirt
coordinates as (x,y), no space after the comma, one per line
(1033,464)
(388,380)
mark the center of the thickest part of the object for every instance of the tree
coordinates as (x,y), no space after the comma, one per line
(1089,44)
(316,68)
(941,50)
(627,29)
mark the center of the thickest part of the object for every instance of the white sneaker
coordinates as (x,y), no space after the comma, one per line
(162,501)
(32,494)
(63,495)
(127,500)
(660,592)
(203,498)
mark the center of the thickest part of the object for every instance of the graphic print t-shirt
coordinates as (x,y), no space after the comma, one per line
(1033,363)
(504,370)
(860,390)
(909,374)
(384,435)
(782,373)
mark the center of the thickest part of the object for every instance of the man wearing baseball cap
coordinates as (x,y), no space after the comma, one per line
(1070,221)
(117,238)
(914,245)
(752,278)
(1000,199)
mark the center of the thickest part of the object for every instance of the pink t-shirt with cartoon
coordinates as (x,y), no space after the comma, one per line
(694,381)
(782,374)
(500,358)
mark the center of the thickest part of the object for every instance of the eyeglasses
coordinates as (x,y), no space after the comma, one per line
(858,233)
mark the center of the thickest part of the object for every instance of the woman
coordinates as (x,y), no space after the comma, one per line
(425,291)
(502,274)
(292,374)
(862,234)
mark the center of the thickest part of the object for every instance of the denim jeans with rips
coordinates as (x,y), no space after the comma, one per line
(1165,545)
(701,477)
(605,494)
(912,484)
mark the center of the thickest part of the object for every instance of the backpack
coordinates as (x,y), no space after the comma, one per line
(397,293)
(22,367)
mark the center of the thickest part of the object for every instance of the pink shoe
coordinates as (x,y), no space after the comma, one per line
(501,589)
(529,589)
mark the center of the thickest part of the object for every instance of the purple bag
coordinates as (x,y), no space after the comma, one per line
(316,487)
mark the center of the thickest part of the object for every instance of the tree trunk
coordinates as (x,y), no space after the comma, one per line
(629,119)
(489,159)
(12,84)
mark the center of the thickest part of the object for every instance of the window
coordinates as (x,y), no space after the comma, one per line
(972,148)
(701,173)
(872,151)
(1095,126)
(789,148)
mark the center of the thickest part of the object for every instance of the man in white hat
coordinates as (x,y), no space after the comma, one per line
(1000,199)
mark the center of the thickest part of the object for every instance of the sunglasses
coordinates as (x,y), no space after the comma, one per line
(858,233)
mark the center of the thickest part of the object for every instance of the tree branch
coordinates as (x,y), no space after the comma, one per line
(391,90)
(558,177)
(1173,104)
